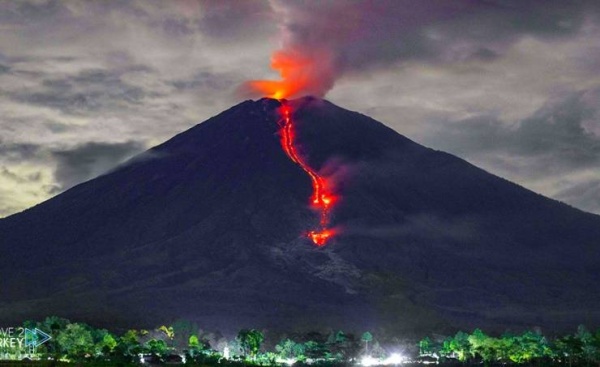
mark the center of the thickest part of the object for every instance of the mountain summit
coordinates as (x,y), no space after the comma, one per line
(211,226)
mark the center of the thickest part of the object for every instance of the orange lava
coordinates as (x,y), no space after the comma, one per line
(320,238)
(322,199)
(300,75)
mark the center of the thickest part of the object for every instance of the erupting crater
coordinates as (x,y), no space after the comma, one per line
(322,198)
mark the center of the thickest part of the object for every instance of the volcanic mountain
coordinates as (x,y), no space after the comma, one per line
(211,226)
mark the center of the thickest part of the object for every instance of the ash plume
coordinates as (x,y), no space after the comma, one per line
(325,40)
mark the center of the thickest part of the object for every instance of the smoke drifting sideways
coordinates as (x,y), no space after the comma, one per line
(321,41)
(325,40)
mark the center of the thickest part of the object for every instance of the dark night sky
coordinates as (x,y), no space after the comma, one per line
(511,86)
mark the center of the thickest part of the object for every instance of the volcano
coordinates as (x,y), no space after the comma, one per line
(211,227)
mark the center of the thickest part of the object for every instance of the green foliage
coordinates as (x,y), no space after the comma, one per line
(288,349)
(367,337)
(129,345)
(457,347)
(168,331)
(315,350)
(53,325)
(157,347)
(425,347)
(483,346)
(76,341)
(343,347)
(250,341)
(106,345)
(197,348)
(183,330)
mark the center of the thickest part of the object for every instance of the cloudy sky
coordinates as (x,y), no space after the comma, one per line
(512,86)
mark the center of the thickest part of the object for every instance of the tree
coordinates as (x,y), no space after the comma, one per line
(53,325)
(315,349)
(250,341)
(457,346)
(197,347)
(129,344)
(425,346)
(289,349)
(168,332)
(527,346)
(182,330)
(482,346)
(588,343)
(76,341)
(105,343)
(157,347)
(367,337)
(343,347)
(377,351)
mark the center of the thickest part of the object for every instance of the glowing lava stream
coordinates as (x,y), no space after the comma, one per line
(321,199)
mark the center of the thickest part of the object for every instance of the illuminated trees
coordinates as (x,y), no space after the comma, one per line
(76,341)
(157,347)
(79,341)
(194,345)
(457,347)
(343,347)
(589,345)
(182,331)
(53,325)
(250,341)
(528,346)
(289,349)
(425,347)
(129,344)
(367,337)
(104,342)
(315,349)
(483,346)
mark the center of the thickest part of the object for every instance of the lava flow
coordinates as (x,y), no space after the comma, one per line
(322,198)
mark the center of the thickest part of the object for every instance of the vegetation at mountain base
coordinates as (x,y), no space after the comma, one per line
(184,342)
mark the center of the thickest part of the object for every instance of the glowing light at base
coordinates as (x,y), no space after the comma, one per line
(394,359)
(322,198)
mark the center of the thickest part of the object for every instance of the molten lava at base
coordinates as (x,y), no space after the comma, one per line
(322,199)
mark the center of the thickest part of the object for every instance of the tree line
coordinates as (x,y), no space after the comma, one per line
(79,342)
(582,348)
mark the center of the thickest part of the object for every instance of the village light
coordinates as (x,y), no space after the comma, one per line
(395,358)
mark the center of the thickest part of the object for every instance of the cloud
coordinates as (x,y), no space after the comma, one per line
(31,173)
(14,153)
(324,41)
(384,32)
(89,160)
(23,185)
(74,72)
(88,91)
(225,20)
(480,79)
(562,132)
(584,195)
(555,151)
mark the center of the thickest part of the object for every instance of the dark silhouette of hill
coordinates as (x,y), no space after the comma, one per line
(208,226)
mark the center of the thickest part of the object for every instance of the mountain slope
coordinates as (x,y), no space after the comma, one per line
(208,226)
